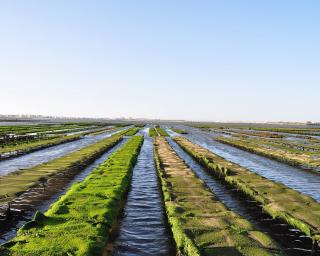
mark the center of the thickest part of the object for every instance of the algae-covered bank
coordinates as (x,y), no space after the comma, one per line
(80,222)
(200,223)
(277,200)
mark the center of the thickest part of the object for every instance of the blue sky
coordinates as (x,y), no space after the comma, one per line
(196,60)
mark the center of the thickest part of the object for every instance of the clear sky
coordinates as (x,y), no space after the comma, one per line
(217,60)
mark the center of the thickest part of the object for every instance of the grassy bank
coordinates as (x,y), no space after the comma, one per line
(80,222)
(277,200)
(15,183)
(202,225)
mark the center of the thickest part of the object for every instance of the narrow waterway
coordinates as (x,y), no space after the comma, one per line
(143,229)
(304,181)
(294,242)
(47,154)
(43,206)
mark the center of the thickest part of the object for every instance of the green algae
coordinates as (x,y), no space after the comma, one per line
(79,223)
(200,223)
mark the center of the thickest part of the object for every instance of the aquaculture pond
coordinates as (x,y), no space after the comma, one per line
(294,243)
(47,154)
(301,180)
(26,215)
(147,195)
(143,229)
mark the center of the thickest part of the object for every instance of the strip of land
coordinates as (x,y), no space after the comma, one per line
(200,223)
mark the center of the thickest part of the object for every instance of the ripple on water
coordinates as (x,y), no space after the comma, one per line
(143,227)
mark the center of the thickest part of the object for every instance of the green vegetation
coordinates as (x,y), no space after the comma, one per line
(277,200)
(284,151)
(17,182)
(140,125)
(161,132)
(153,132)
(179,131)
(201,225)
(79,223)
(132,131)
(157,131)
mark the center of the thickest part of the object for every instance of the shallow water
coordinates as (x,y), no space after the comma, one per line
(47,154)
(292,241)
(44,206)
(304,181)
(143,229)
